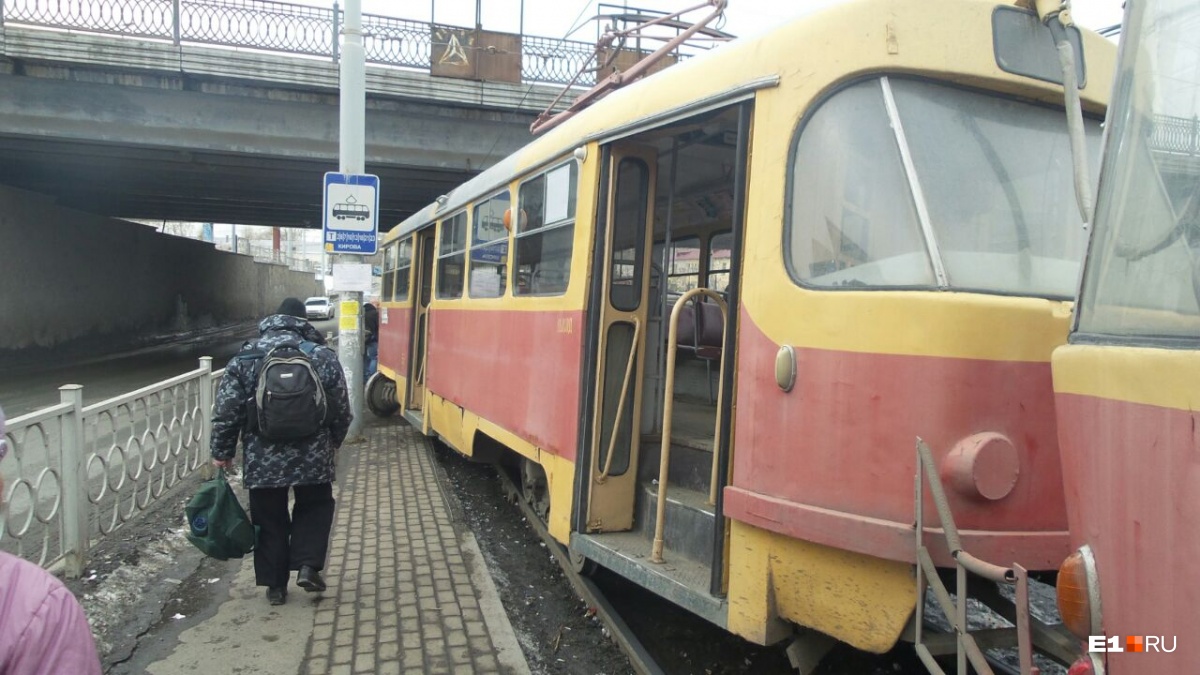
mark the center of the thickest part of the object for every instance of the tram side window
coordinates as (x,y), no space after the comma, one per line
(853,221)
(489,248)
(546,231)
(451,257)
(720,254)
(389,272)
(683,265)
(629,234)
(403,266)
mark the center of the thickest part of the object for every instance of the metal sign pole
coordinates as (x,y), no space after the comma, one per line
(351,161)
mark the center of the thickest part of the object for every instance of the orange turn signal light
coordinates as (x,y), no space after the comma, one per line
(1075,593)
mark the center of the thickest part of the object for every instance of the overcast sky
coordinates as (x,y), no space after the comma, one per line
(554,18)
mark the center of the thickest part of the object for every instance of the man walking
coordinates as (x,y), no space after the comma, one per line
(285,396)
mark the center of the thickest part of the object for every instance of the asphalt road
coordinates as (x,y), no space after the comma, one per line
(35,386)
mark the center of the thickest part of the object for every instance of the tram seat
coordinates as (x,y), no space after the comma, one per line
(685,332)
(701,329)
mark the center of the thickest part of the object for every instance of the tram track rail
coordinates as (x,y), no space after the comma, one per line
(639,658)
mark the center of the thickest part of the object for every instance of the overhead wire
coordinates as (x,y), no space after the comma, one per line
(575,25)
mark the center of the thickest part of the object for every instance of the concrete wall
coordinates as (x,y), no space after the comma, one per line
(73,277)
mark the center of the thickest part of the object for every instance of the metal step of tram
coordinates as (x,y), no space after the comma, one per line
(690,468)
(688,521)
(679,579)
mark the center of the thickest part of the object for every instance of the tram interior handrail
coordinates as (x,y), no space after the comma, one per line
(664,462)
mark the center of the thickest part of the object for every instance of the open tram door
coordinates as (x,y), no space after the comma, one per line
(623,299)
(415,400)
(658,406)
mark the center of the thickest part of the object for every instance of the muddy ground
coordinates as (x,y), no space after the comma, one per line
(555,628)
(145,583)
(560,638)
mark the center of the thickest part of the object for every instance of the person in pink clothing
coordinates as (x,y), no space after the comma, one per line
(42,627)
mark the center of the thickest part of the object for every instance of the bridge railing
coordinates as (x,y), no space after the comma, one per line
(283,27)
(75,474)
(135,18)
(1177,135)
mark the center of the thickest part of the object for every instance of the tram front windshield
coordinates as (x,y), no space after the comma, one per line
(1143,273)
(903,183)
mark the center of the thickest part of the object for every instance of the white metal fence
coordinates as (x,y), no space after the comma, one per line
(74,474)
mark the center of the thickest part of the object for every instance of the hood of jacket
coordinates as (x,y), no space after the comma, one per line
(284,323)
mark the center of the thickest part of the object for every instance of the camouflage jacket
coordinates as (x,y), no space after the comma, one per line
(280,463)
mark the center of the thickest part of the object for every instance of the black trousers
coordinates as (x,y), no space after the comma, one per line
(285,543)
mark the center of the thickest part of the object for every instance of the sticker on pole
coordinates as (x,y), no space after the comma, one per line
(350,213)
(348,322)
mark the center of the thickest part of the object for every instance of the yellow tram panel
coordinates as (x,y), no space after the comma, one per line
(865,601)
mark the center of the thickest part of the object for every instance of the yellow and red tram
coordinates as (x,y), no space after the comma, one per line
(1126,385)
(876,199)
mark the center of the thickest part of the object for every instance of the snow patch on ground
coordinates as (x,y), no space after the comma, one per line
(108,607)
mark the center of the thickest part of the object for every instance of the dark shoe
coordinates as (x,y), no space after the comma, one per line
(310,580)
(277,596)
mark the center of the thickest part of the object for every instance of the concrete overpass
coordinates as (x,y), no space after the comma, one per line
(146,126)
(218,111)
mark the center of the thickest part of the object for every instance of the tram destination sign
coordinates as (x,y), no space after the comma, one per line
(350,213)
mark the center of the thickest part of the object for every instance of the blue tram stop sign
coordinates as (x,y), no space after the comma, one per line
(350,213)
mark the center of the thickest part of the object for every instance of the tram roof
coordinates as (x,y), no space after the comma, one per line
(616,110)
(713,79)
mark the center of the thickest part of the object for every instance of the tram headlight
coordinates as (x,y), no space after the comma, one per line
(1078,593)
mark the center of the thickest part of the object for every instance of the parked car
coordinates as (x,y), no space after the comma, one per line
(318,308)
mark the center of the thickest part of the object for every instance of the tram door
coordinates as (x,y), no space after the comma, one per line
(420,320)
(624,302)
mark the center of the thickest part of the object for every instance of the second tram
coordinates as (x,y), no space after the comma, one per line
(1126,385)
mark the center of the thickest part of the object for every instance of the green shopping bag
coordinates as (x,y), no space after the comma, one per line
(217,523)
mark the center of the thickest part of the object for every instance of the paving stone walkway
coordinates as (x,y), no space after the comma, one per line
(408,589)
(410,592)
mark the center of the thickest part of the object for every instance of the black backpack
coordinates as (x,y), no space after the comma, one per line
(289,400)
